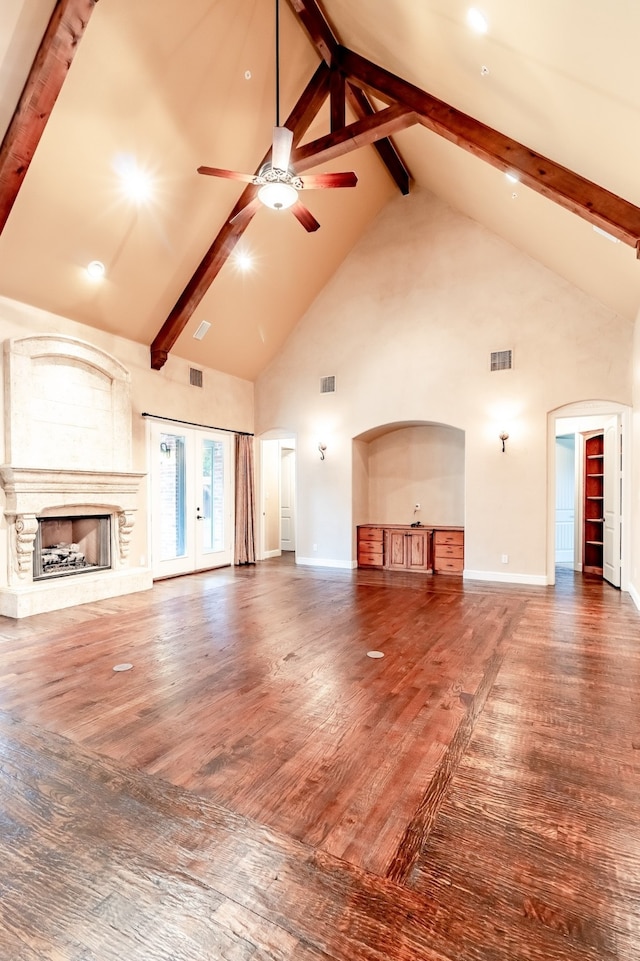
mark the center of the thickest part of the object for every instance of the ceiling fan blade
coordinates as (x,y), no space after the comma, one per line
(322,181)
(304,216)
(226,174)
(281,150)
(247,211)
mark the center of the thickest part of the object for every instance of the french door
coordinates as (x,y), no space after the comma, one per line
(192,483)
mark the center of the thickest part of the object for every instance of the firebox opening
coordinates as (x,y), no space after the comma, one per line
(72,545)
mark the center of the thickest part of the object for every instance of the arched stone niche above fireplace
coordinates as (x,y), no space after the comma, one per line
(68,406)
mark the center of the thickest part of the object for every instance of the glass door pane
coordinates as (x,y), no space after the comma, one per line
(172,477)
(213,499)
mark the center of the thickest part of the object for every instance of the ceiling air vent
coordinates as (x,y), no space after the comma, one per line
(328,384)
(501,359)
(195,377)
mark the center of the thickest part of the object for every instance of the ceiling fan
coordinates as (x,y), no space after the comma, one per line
(279,185)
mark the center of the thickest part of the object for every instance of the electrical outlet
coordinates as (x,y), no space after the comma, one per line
(505,558)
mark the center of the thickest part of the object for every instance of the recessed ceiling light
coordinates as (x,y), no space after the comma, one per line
(484,71)
(477,20)
(243,261)
(136,183)
(96,270)
(202,329)
(247,75)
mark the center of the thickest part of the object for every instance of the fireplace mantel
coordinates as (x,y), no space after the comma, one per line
(32,490)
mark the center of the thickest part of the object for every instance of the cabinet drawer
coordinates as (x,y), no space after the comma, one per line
(369,558)
(449,565)
(449,550)
(370,534)
(448,537)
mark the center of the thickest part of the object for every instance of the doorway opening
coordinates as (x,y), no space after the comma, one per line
(588,497)
(277,496)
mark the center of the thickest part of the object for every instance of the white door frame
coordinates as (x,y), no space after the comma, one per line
(288,439)
(598,409)
(195,557)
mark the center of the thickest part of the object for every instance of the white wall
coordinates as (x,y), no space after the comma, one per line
(634,585)
(407,326)
(223,401)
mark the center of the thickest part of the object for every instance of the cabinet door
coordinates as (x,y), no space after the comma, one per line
(418,553)
(396,550)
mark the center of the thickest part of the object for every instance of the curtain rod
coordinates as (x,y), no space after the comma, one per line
(190,423)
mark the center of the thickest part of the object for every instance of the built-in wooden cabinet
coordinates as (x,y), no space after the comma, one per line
(370,547)
(448,552)
(407,550)
(593,504)
(400,547)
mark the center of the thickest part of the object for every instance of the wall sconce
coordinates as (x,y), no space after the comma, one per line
(503,437)
(322,448)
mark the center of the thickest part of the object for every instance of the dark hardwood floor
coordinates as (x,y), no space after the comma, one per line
(256,787)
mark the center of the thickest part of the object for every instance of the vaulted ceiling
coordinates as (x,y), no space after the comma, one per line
(549,94)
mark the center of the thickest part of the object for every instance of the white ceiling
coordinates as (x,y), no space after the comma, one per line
(163,81)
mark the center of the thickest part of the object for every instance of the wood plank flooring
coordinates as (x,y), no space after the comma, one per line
(257,787)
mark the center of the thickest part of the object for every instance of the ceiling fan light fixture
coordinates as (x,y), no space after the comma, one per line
(278,196)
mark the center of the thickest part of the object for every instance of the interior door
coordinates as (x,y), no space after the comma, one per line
(191,483)
(565,498)
(612,500)
(287,499)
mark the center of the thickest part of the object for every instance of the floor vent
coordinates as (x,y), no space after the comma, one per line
(328,384)
(195,377)
(501,359)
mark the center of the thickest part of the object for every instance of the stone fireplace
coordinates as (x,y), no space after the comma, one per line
(68,482)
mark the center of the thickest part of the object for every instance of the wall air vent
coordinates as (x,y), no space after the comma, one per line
(195,377)
(328,384)
(501,359)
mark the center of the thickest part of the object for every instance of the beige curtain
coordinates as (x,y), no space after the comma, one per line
(245,551)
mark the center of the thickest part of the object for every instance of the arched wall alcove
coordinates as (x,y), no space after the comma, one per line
(399,465)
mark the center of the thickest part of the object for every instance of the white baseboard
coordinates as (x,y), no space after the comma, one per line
(267,554)
(635,596)
(325,562)
(538,580)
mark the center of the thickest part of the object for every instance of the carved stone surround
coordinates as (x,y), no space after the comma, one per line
(32,493)
(68,438)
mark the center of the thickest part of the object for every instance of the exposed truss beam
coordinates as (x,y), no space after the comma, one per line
(361,106)
(46,77)
(302,115)
(593,203)
(355,135)
(323,37)
(317,28)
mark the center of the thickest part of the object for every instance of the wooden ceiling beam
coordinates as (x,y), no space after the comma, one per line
(323,37)
(593,203)
(355,135)
(361,106)
(299,120)
(317,28)
(46,77)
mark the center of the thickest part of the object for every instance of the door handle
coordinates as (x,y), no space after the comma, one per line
(199,516)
